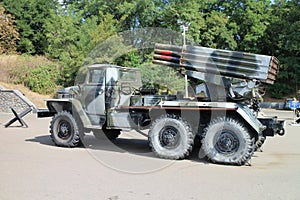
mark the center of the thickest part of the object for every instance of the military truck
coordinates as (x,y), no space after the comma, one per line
(223,116)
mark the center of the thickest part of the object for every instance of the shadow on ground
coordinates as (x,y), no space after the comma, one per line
(44,140)
(138,147)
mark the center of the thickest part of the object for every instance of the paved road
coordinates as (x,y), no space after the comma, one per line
(31,167)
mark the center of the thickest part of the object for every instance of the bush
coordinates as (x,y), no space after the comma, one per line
(35,72)
(42,79)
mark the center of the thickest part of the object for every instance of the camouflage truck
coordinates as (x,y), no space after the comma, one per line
(224,114)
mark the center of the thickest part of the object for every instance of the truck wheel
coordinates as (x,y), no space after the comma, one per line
(110,134)
(64,130)
(227,141)
(261,140)
(171,137)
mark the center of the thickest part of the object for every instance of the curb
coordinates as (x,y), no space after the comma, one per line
(274,105)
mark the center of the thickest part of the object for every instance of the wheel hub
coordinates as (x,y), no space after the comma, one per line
(64,130)
(169,137)
(227,143)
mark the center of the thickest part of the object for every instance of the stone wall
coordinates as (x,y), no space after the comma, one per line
(14,99)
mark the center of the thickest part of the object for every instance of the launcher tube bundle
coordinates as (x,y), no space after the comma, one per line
(227,63)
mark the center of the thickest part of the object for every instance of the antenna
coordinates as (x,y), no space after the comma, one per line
(184,26)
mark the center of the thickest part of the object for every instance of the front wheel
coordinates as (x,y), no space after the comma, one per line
(227,141)
(171,137)
(64,130)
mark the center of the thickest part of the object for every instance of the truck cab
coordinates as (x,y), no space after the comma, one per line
(105,89)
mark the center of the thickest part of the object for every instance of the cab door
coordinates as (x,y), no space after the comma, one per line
(94,96)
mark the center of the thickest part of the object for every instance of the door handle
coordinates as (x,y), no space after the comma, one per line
(100,92)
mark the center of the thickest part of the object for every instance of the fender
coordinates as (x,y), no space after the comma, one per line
(71,105)
(250,118)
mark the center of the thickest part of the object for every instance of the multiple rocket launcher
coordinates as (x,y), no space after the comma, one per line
(226,63)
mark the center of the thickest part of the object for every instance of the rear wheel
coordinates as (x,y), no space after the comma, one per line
(258,144)
(227,141)
(64,130)
(171,137)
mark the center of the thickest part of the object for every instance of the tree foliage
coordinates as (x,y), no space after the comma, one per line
(79,32)
(71,37)
(9,34)
(283,39)
(31,16)
(43,79)
(251,18)
(36,72)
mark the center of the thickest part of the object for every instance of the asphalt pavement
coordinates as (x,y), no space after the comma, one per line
(32,167)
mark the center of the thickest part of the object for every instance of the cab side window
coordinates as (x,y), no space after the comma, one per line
(96,76)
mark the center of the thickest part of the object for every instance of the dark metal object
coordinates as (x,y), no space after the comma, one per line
(18,117)
(41,113)
(169,137)
(227,142)
(64,129)
(273,126)
(214,61)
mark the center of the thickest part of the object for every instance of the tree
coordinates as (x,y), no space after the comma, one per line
(208,26)
(132,13)
(72,37)
(283,40)
(185,11)
(79,32)
(31,16)
(8,32)
(218,31)
(251,17)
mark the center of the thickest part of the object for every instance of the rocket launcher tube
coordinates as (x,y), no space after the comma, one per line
(227,63)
